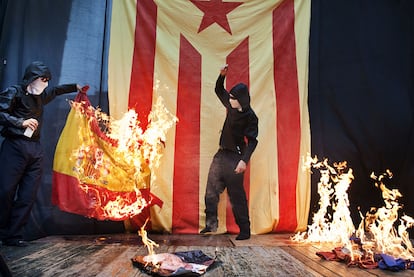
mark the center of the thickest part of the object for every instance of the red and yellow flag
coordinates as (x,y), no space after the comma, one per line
(98,174)
(174,49)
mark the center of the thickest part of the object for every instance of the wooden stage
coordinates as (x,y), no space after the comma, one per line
(110,255)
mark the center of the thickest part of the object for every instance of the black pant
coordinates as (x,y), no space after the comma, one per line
(221,175)
(20,177)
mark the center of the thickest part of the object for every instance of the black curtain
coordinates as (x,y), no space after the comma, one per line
(361,96)
(71,37)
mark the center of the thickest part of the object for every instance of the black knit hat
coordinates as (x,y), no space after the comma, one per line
(35,70)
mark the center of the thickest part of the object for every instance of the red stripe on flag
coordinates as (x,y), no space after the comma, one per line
(238,62)
(185,217)
(68,195)
(288,112)
(142,73)
(65,191)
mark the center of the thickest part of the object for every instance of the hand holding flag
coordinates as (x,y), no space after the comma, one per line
(83,89)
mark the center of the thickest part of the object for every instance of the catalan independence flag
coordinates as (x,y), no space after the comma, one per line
(174,49)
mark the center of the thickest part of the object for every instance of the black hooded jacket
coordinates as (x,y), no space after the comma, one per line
(17,104)
(240,128)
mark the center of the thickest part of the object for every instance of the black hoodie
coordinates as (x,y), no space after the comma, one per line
(35,70)
(240,128)
(17,105)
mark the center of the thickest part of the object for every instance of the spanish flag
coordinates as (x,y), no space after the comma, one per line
(92,175)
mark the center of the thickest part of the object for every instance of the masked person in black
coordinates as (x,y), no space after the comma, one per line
(238,140)
(21,154)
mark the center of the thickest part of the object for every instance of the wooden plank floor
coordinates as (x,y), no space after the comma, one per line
(110,255)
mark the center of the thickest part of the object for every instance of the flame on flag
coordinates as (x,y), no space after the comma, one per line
(103,167)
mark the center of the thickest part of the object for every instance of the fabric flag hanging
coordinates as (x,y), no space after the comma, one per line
(102,168)
(174,49)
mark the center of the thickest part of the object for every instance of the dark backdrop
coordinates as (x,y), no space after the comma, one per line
(72,38)
(360,88)
(361,97)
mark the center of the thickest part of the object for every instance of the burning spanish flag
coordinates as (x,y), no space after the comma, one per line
(102,167)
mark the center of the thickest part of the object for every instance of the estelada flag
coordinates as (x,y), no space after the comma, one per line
(91,177)
(174,49)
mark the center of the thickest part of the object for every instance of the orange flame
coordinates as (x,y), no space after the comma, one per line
(376,231)
(119,156)
(332,189)
(150,244)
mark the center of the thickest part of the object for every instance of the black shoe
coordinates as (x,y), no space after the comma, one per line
(243,236)
(207,230)
(19,243)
